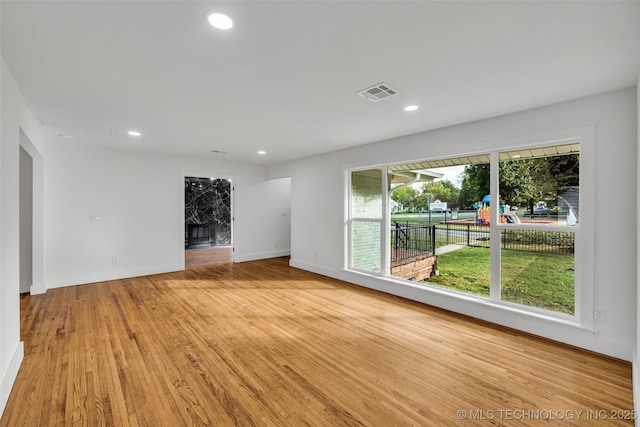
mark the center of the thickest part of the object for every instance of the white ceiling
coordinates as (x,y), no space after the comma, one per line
(285,78)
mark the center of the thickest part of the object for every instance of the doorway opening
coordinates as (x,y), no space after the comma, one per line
(208,221)
(26,221)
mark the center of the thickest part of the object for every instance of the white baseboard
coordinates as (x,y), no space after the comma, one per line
(38,288)
(81,279)
(9,377)
(262,255)
(635,384)
(314,268)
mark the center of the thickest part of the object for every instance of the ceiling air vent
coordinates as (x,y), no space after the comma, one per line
(378,92)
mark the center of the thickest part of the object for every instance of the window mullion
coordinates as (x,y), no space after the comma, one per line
(494,229)
(385,251)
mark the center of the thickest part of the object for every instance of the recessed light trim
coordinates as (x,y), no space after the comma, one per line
(262,152)
(220,21)
(134,133)
(411,108)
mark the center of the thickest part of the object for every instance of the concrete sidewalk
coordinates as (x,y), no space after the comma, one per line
(448,248)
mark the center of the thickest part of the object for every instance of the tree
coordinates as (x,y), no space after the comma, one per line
(566,170)
(522,181)
(407,196)
(525,181)
(475,184)
(445,191)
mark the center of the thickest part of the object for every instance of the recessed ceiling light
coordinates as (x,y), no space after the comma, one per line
(516,156)
(411,108)
(262,152)
(134,133)
(220,21)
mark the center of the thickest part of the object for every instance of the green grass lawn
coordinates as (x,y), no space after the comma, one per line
(541,280)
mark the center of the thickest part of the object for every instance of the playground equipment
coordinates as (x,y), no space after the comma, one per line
(483,213)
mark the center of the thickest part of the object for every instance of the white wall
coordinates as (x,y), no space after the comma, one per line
(137,199)
(270,222)
(26,220)
(14,118)
(318,210)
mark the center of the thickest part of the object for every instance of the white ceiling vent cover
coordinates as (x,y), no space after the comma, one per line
(378,92)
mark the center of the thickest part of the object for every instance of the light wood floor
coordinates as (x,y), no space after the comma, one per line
(194,258)
(263,344)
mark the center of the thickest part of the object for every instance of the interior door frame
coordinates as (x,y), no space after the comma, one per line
(38,285)
(181,215)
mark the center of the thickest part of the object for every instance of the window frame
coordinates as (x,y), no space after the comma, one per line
(384,233)
(496,256)
(584,277)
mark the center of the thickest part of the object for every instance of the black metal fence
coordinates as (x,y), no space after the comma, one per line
(462,234)
(551,241)
(409,240)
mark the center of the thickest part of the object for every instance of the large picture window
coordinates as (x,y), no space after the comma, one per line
(500,226)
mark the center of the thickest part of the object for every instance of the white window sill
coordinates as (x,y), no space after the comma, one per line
(498,306)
